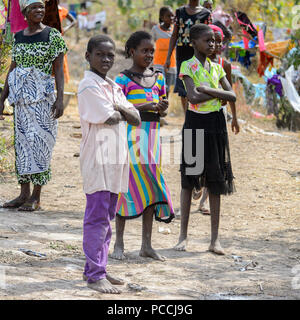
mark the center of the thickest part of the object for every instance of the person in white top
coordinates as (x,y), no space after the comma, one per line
(104,159)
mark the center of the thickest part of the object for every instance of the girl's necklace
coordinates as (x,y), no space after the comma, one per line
(141,75)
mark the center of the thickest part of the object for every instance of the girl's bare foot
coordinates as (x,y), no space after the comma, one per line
(151,253)
(216,248)
(181,245)
(15,203)
(118,253)
(104,286)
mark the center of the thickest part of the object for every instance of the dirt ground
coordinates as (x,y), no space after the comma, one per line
(259,228)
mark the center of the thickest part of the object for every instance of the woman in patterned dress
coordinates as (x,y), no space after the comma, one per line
(37,51)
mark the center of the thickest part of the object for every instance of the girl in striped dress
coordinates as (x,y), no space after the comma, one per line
(148,193)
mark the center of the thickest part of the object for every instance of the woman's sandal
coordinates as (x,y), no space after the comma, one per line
(204,211)
(30,207)
(197,194)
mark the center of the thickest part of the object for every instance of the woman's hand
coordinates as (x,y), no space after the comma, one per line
(58,108)
(235,125)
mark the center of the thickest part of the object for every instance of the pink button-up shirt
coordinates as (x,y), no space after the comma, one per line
(104,159)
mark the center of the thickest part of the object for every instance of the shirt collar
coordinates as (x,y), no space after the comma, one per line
(106,82)
(199,63)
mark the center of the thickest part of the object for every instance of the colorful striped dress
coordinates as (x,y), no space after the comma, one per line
(147,186)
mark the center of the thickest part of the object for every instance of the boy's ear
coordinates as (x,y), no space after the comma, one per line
(87,56)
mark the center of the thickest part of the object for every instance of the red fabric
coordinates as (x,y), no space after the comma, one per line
(265,60)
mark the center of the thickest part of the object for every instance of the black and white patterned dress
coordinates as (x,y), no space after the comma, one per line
(31,91)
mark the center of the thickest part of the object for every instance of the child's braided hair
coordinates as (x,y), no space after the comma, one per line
(135,40)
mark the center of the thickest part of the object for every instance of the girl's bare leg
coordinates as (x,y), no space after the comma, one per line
(118,252)
(215,204)
(146,248)
(185,204)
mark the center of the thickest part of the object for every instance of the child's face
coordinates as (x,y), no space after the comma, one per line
(205,44)
(144,53)
(207,5)
(102,57)
(168,18)
(218,43)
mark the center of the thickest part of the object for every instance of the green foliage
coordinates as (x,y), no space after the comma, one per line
(5,49)
(173,3)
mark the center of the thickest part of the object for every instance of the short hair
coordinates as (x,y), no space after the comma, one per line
(163,11)
(95,41)
(135,40)
(198,30)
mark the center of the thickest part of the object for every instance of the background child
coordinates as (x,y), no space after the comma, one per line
(185,17)
(102,108)
(162,33)
(148,192)
(201,78)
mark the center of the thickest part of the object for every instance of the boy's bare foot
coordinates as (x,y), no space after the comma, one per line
(15,203)
(111,279)
(118,253)
(151,253)
(104,286)
(181,245)
(30,205)
(216,248)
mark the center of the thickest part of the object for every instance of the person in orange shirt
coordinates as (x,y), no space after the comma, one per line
(162,33)
(64,14)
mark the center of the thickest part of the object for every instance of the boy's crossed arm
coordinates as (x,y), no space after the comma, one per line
(124,114)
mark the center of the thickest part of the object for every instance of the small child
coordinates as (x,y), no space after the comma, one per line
(148,194)
(201,78)
(162,33)
(102,109)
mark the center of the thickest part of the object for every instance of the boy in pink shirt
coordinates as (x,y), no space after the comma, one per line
(104,161)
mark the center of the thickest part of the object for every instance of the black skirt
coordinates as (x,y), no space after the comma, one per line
(215,171)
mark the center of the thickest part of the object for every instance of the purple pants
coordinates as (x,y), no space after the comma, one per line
(97,232)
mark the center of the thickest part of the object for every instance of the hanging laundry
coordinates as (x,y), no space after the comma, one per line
(245,23)
(16,18)
(3,13)
(95,20)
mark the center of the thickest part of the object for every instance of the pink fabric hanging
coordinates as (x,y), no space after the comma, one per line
(16,18)
(246,40)
(261,41)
